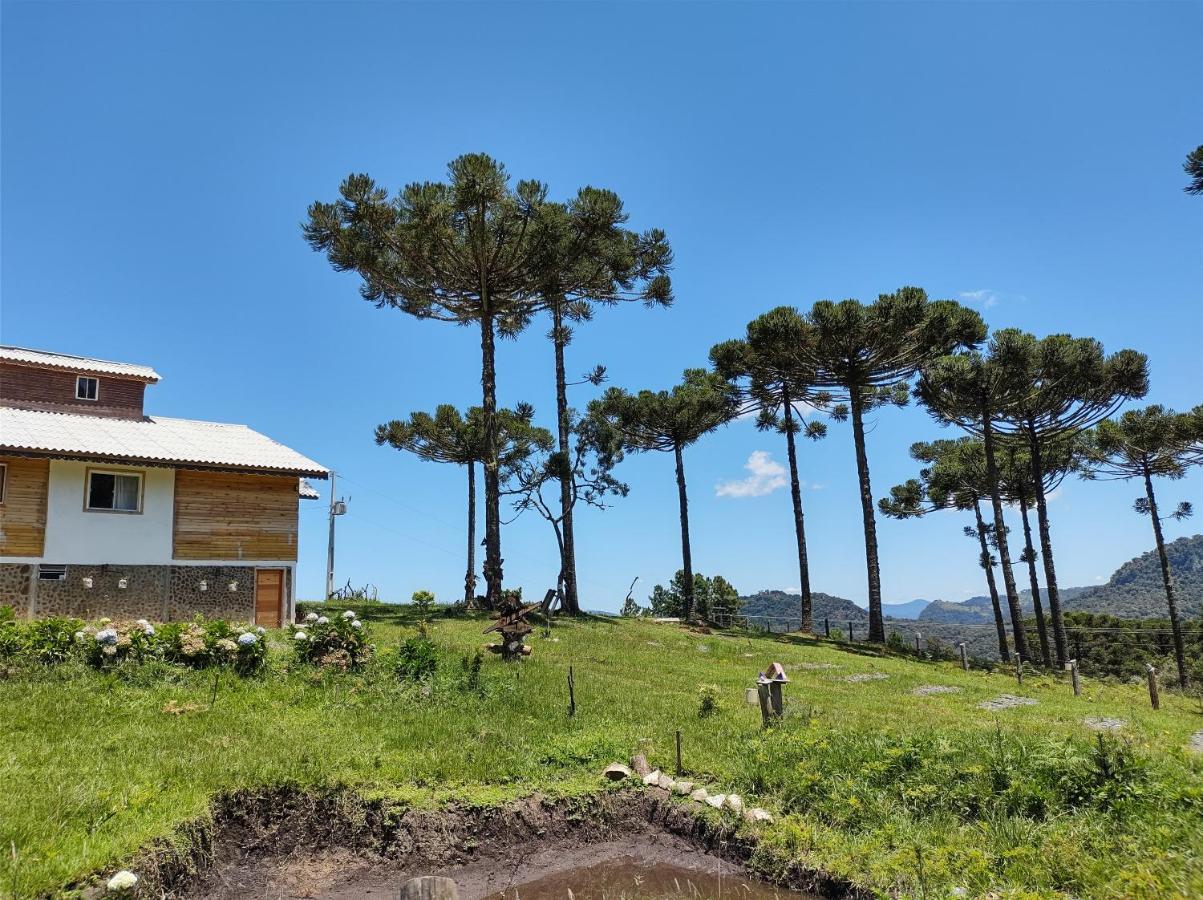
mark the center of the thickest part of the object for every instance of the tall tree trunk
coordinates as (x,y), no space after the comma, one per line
(569,597)
(1167,578)
(470,576)
(1000,538)
(1046,549)
(488,384)
(1000,626)
(877,628)
(686,557)
(1029,553)
(807,604)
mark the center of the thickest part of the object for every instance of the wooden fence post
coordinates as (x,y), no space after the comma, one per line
(1151,674)
(571,693)
(430,887)
(762,693)
(1072,665)
(918,649)
(964,656)
(849,629)
(680,770)
(826,627)
(1018,669)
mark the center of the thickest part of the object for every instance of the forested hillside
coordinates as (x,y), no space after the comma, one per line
(781,609)
(1135,590)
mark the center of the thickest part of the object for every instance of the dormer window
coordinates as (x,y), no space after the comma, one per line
(86,388)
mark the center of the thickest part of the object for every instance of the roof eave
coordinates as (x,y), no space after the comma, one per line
(109,459)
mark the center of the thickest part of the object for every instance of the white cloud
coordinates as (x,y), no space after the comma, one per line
(985,298)
(767,476)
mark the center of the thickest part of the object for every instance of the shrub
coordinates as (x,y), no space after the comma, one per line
(110,643)
(707,700)
(7,614)
(338,643)
(470,667)
(424,601)
(202,643)
(416,659)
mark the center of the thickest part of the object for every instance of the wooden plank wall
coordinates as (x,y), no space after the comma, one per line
(221,515)
(28,386)
(23,513)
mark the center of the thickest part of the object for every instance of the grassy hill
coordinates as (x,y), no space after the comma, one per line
(781,610)
(865,776)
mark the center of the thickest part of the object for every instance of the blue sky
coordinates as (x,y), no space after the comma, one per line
(1026,158)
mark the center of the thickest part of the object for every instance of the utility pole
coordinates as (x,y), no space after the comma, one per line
(337,508)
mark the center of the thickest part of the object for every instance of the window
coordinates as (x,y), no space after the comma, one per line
(3,481)
(114,491)
(52,572)
(86,388)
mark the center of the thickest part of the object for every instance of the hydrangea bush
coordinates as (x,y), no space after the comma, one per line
(332,643)
(202,643)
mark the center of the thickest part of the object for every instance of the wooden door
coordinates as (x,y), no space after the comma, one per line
(269,597)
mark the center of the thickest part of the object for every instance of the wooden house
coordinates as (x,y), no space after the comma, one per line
(107,511)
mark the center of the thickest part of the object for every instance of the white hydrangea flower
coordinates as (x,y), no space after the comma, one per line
(80,636)
(142,622)
(349,614)
(300,636)
(123,881)
(149,629)
(311,617)
(247,639)
(106,636)
(261,630)
(323,620)
(357,624)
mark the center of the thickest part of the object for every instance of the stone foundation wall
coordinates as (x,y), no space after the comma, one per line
(158,593)
(14,586)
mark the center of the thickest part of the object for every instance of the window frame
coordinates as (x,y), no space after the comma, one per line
(108,470)
(80,379)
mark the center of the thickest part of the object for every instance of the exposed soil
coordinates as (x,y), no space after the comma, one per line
(284,843)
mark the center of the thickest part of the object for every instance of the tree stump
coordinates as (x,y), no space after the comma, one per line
(430,887)
(511,626)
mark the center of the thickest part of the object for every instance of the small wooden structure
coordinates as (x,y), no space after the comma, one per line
(768,688)
(512,626)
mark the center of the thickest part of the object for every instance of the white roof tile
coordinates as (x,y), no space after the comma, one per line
(76,363)
(308,491)
(153,439)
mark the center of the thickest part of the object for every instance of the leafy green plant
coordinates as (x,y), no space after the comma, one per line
(417,659)
(338,643)
(424,601)
(708,695)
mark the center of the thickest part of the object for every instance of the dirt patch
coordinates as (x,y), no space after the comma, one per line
(1006,701)
(285,843)
(1104,723)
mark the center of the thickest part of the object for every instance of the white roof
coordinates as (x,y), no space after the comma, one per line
(308,491)
(152,439)
(70,363)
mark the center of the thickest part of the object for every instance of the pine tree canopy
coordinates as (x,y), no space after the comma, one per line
(668,420)
(1155,441)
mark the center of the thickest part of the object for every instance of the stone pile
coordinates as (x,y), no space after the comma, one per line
(650,777)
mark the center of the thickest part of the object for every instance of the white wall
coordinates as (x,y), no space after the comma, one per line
(74,535)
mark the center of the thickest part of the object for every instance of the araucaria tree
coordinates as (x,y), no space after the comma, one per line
(953,477)
(590,260)
(776,382)
(1194,170)
(449,437)
(865,355)
(669,421)
(1069,385)
(969,389)
(1146,444)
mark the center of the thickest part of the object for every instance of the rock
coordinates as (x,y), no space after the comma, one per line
(929,689)
(735,803)
(652,778)
(1006,701)
(756,814)
(684,788)
(639,764)
(699,795)
(751,696)
(1196,742)
(617,772)
(1103,723)
(864,676)
(717,800)
(665,782)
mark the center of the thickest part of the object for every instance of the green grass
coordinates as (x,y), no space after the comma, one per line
(900,793)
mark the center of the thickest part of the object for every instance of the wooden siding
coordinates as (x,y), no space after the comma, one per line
(23,513)
(220,515)
(35,388)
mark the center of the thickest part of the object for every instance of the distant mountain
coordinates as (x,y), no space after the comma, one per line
(781,609)
(911,609)
(971,612)
(1135,591)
